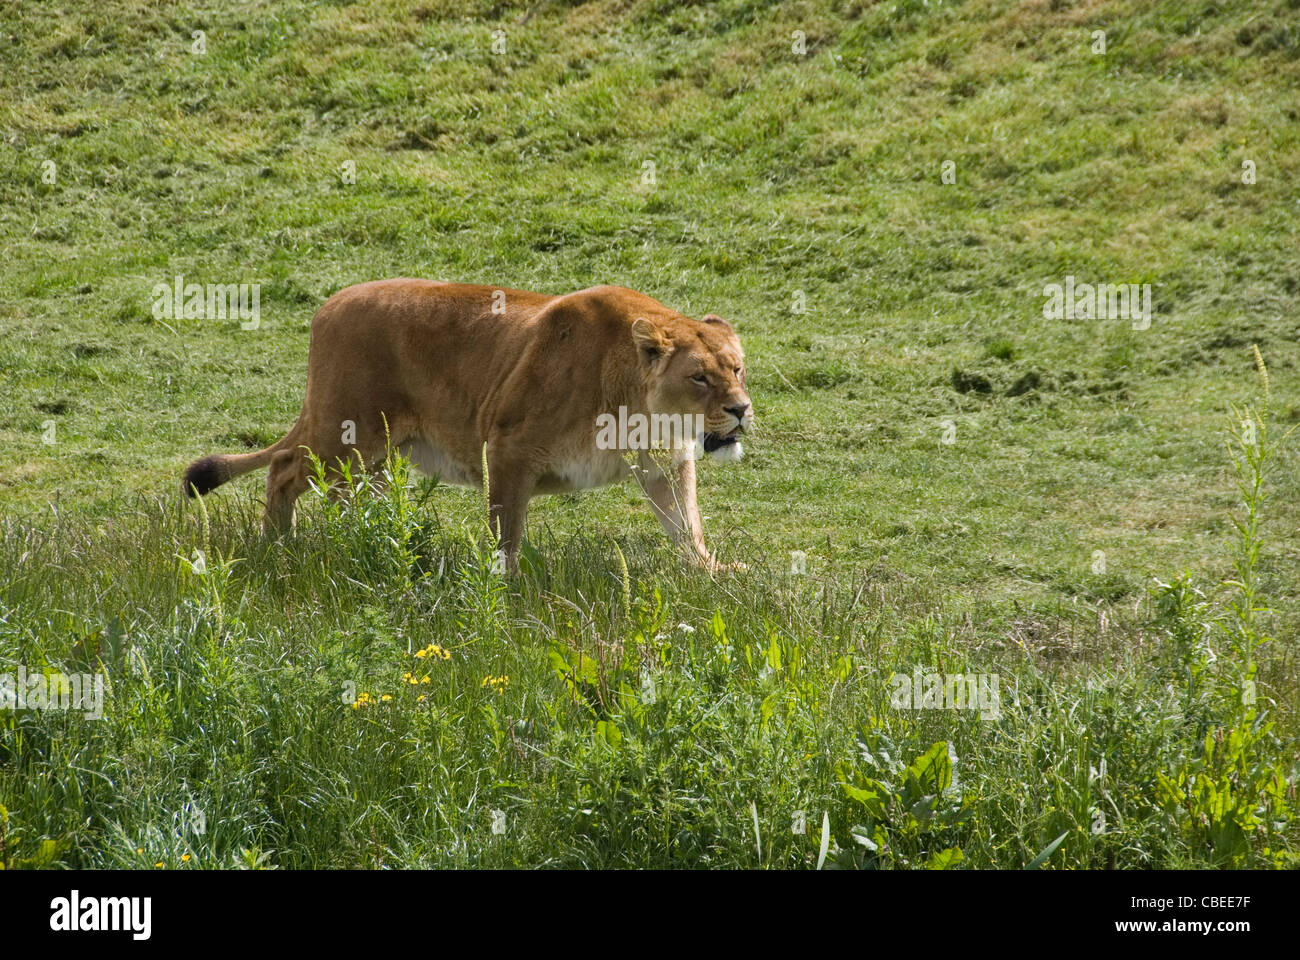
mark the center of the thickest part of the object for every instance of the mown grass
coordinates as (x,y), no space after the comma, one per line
(774,173)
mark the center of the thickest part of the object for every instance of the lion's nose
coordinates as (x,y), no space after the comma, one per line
(738,411)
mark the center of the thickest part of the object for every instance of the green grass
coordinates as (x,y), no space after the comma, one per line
(778,178)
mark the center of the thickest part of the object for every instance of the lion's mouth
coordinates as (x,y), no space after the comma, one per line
(714,442)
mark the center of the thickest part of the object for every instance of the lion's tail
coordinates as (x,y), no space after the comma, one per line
(208,473)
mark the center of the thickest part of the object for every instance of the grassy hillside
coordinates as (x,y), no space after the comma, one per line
(977,488)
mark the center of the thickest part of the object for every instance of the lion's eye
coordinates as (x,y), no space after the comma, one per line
(701,380)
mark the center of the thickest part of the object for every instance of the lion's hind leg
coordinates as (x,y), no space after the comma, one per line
(329,462)
(285,483)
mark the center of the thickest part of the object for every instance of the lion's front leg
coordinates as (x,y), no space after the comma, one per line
(672,497)
(510,485)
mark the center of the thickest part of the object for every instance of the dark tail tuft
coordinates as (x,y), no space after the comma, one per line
(204,475)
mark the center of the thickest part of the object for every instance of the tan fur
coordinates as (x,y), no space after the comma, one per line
(449,374)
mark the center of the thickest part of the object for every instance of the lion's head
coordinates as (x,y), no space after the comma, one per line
(697,367)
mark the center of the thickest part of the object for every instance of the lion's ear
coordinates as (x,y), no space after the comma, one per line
(714,318)
(650,343)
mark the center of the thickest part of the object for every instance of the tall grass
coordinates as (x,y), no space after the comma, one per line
(370,691)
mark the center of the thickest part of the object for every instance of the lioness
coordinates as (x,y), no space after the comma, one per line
(440,369)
